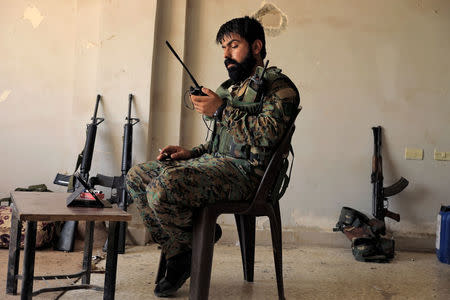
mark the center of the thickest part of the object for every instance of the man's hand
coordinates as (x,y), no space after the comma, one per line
(208,104)
(174,152)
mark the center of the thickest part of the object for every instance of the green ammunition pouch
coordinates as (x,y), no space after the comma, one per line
(365,234)
(250,102)
(247,101)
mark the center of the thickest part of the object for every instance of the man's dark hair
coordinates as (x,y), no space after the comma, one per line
(248,28)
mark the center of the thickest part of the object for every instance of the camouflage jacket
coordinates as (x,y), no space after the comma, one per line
(248,135)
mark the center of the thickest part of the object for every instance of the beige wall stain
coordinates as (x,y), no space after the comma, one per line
(90,44)
(33,15)
(5,95)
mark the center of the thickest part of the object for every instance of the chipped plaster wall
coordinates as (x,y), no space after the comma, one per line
(56,57)
(357,64)
(124,66)
(37,41)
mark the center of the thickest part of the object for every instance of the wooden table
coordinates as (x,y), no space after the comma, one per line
(35,206)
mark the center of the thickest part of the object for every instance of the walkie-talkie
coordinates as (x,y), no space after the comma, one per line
(197,90)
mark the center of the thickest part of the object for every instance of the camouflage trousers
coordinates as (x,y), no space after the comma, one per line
(166,192)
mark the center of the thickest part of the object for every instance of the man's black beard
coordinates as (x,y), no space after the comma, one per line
(240,71)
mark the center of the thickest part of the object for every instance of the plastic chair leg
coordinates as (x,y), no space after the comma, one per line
(246,230)
(202,253)
(275,228)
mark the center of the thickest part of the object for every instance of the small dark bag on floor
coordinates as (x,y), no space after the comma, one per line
(365,234)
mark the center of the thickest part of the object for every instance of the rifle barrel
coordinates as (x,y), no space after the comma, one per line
(376,139)
(130,99)
(96,108)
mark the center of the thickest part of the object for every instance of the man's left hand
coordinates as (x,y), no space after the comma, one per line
(208,104)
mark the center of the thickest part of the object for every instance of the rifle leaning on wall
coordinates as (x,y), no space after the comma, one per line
(67,237)
(118,182)
(380,193)
(366,234)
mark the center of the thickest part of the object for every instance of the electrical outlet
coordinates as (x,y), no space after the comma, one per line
(441,155)
(411,153)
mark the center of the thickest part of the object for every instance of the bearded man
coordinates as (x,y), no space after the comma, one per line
(248,124)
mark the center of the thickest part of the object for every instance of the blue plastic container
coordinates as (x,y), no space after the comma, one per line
(443,235)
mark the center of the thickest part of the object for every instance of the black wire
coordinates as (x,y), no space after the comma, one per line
(186,103)
(209,127)
(191,107)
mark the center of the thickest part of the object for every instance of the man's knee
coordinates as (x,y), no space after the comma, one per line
(141,174)
(175,178)
(156,194)
(131,177)
(132,173)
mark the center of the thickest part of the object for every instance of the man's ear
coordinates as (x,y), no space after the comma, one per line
(256,47)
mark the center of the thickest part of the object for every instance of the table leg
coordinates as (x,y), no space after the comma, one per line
(28,261)
(122,237)
(111,261)
(14,254)
(87,257)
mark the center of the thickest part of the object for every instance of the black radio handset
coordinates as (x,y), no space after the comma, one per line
(193,90)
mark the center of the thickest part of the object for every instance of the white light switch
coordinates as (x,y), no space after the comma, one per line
(441,155)
(411,153)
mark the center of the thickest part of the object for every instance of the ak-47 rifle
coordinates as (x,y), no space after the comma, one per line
(67,237)
(380,194)
(118,182)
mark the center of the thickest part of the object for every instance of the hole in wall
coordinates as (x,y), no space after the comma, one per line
(272,18)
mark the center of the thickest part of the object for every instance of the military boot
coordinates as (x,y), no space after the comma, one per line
(178,270)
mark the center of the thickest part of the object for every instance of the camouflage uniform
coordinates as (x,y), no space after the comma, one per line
(227,168)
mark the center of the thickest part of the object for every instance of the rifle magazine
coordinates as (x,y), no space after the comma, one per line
(396,188)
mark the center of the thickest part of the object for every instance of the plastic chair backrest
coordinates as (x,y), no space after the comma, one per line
(272,172)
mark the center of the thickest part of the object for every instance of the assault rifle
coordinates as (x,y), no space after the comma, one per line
(380,193)
(67,237)
(118,182)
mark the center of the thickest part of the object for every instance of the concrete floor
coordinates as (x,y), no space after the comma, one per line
(309,273)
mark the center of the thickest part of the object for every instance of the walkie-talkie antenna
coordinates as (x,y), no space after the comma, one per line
(182,63)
